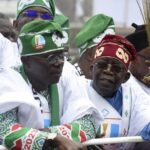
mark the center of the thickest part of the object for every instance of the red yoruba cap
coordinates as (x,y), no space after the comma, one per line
(117,47)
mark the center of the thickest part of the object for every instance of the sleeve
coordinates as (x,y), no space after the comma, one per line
(145,133)
(15,137)
(19,138)
(80,130)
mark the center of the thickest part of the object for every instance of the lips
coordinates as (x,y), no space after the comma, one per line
(109,80)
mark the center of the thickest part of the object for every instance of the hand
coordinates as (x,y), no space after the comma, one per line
(62,143)
(66,144)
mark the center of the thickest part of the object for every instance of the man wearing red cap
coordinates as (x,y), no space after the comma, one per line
(121,106)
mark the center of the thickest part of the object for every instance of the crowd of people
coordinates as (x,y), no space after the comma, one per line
(49,103)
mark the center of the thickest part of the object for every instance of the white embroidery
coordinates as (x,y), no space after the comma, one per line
(60,41)
(120,53)
(57,40)
(65,37)
(99,52)
(46,3)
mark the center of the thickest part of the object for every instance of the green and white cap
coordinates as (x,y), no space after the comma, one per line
(24,4)
(63,21)
(40,36)
(93,32)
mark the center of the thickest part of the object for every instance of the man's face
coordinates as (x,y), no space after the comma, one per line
(108,75)
(140,67)
(44,69)
(86,61)
(30,14)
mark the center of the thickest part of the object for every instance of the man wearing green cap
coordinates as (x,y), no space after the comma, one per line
(43,59)
(86,40)
(28,10)
(37,10)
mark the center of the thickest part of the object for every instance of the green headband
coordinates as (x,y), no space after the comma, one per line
(24,4)
(93,31)
(38,37)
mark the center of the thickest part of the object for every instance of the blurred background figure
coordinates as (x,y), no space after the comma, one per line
(6,28)
(76,10)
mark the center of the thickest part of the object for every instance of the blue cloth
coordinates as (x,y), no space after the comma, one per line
(145,133)
(116,101)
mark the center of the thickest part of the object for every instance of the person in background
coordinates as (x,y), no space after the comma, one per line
(140,68)
(41,10)
(120,104)
(30,10)
(86,40)
(10,56)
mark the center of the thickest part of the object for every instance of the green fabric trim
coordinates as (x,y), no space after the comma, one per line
(75,132)
(9,139)
(22,72)
(54,101)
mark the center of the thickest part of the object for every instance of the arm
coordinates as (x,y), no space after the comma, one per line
(79,131)
(17,137)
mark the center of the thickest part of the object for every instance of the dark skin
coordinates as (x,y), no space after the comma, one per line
(63,143)
(44,69)
(86,61)
(108,75)
(141,66)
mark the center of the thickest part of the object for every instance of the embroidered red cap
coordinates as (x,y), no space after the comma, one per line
(116,47)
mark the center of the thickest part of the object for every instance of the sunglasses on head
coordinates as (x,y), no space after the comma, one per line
(35,14)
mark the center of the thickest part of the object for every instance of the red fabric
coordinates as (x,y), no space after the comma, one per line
(116,47)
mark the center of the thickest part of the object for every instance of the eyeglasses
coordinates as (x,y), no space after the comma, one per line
(114,67)
(146,58)
(53,58)
(35,14)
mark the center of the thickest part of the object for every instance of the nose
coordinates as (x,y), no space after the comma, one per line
(108,69)
(38,18)
(58,62)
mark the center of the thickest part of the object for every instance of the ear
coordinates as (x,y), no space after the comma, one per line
(126,77)
(15,22)
(89,53)
(91,70)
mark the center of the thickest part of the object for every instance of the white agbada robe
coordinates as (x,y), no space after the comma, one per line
(15,93)
(134,82)
(135,110)
(9,53)
(73,100)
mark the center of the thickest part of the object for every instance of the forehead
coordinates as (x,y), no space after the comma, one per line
(110,60)
(145,52)
(50,53)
